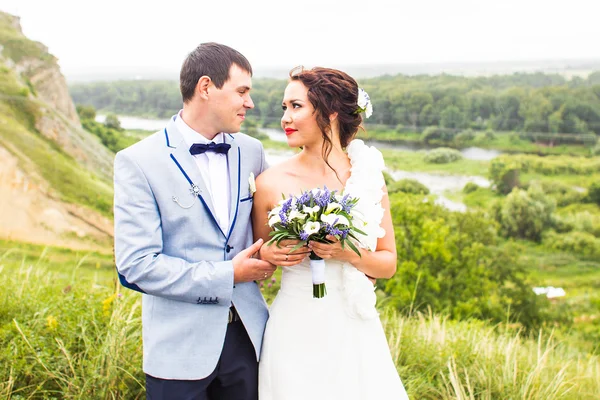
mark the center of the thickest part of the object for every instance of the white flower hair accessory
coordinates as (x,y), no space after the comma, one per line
(364,103)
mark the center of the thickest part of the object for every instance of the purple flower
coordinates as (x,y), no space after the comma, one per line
(283,217)
(344,203)
(303,236)
(304,198)
(273,280)
(332,230)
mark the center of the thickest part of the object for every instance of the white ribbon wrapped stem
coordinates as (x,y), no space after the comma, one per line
(317,267)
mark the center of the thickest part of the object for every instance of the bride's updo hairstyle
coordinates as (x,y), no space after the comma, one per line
(331,91)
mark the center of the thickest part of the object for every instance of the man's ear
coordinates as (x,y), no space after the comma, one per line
(202,87)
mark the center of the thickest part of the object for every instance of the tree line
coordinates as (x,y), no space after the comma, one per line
(524,102)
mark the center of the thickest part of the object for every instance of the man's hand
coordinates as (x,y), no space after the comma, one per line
(248,269)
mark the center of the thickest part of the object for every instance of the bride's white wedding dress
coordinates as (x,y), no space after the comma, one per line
(334,347)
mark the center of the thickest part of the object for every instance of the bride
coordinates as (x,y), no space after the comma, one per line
(332,347)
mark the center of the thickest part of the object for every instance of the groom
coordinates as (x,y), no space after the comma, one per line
(183,236)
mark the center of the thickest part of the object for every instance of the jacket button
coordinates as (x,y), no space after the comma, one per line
(228,248)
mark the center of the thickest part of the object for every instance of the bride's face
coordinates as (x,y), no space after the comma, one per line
(299,119)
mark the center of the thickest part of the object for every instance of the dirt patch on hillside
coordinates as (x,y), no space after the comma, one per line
(29,214)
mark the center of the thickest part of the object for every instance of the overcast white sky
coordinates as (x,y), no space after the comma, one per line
(281,33)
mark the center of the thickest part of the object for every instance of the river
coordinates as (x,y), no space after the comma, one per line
(438,184)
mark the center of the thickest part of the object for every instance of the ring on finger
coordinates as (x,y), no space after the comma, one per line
(266,275)
(286,257)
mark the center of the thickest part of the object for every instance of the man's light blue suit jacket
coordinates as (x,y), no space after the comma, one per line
(169,246)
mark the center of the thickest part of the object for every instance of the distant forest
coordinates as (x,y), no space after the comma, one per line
(527,102)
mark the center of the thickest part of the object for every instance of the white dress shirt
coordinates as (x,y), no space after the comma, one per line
(213,168)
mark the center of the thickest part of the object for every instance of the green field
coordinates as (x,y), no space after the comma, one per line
(68,330)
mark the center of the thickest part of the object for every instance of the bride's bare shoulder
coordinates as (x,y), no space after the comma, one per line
(275,174)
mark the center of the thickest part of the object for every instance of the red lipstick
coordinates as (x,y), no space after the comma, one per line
(289,131)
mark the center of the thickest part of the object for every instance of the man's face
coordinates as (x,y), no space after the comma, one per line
(229,104)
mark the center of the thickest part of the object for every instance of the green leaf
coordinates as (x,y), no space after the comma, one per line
(353,247)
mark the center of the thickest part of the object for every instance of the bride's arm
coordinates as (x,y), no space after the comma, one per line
(380,263)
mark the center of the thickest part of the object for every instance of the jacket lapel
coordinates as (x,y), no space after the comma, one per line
(185,162)
(233,169)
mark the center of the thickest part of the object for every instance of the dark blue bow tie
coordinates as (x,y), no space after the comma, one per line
(199,148)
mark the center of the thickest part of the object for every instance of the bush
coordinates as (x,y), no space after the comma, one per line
(442,155)
(582,243)
(596,150)
(594,193)
(580,222)
(430,133)
(112,122)
(552,165)
(464,136)
(570,197)
(504,174)
(389,179)
(490,135)
(563,194)
(526,214)
(470,187)
(448,262)
(86,112)
(410,186)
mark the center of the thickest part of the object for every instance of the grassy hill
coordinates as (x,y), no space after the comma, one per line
(51,147)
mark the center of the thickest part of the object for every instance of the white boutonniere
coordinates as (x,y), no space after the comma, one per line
(251,184)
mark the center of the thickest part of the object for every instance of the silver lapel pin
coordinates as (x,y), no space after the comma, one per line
(194,191)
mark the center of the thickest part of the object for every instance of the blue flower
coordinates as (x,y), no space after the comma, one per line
(344,203)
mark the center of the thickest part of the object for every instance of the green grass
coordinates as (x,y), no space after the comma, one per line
(503,141)
(414,161)
(481,198)
(68,330)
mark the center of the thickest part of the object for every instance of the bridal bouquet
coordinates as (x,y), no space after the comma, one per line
(312,216)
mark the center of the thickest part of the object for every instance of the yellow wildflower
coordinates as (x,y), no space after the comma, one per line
(107,304)
(51,322)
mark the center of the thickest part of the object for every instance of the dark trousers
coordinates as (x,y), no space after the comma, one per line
(234,378)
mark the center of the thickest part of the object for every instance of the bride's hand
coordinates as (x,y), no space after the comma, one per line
(331,250)
(281,255)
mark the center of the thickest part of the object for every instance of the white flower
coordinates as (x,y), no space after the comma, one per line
(297,215)
(363,98)
(311,227)
(364,103)
(251,184)
(311,210)
(369,110)
(275,211)
(331,207)
(332,218)
(274,220)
